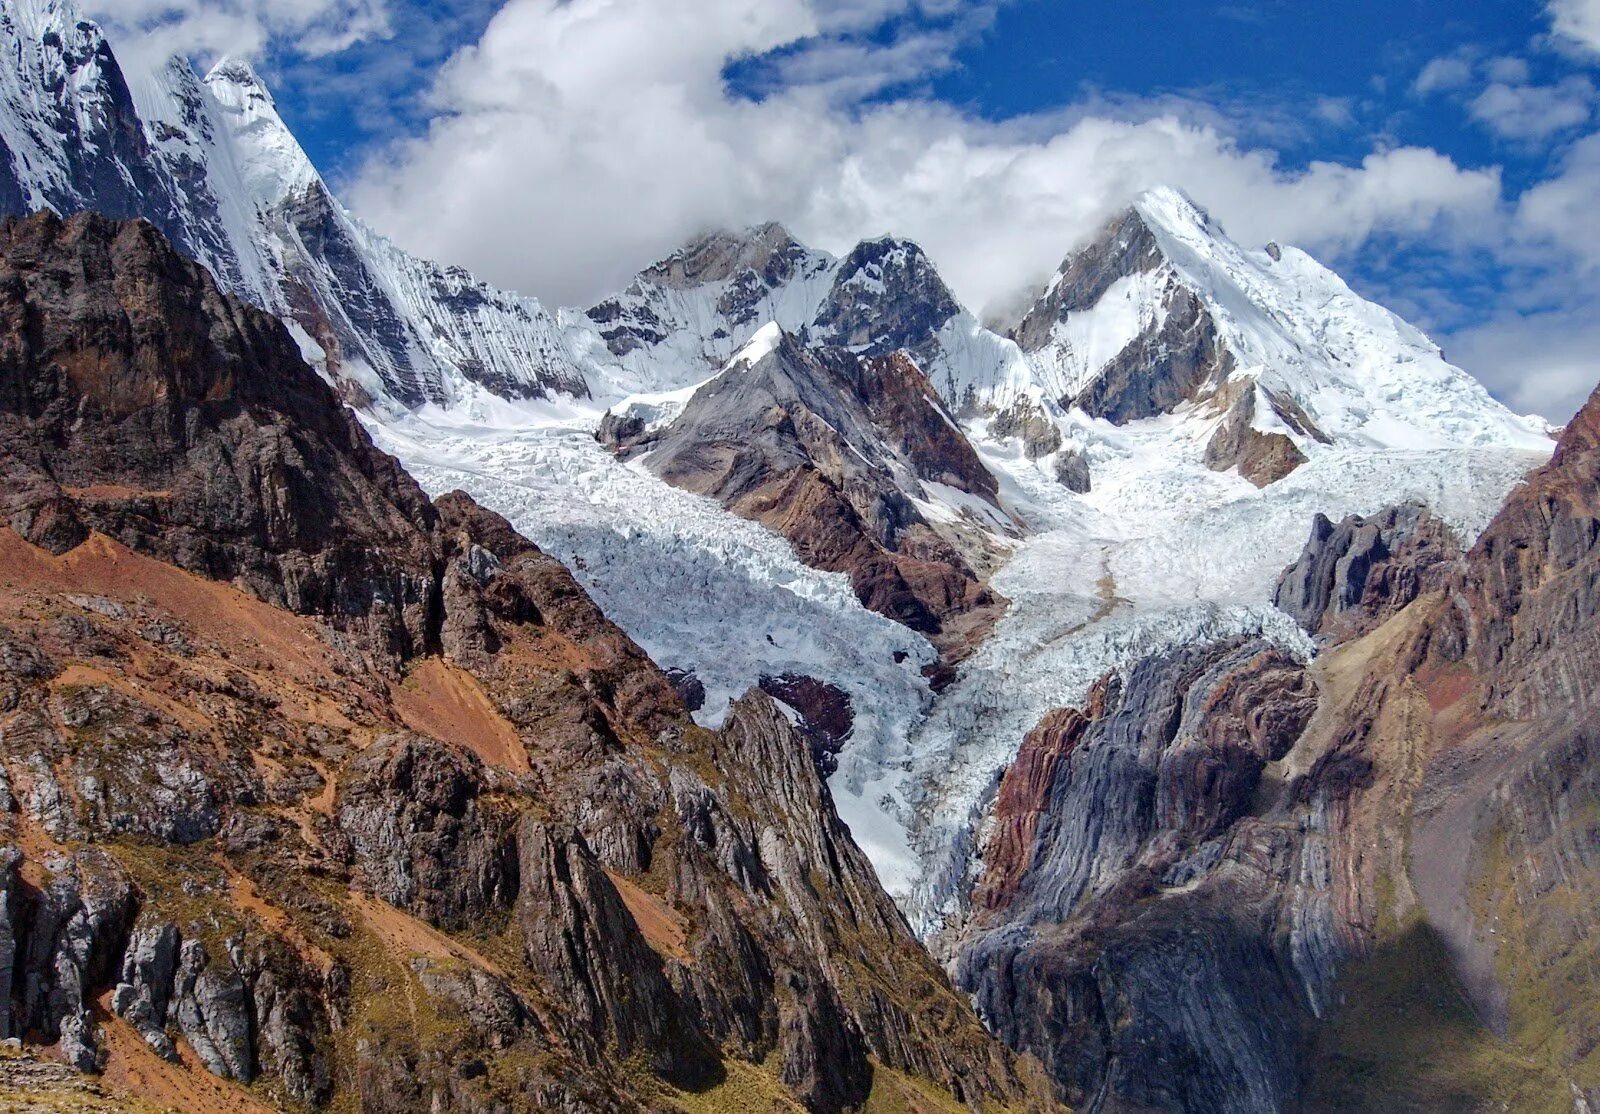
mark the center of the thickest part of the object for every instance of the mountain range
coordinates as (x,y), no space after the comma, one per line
(772,684)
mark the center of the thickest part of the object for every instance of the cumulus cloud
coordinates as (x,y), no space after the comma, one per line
(603,133)
(1533,112)
(1560,214)
(206,28)
(1451,72)
(1577,21)
(1540,362)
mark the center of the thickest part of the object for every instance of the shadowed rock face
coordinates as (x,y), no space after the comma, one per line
(138,402)
(887,298)
(1200,894)
(1352,577)
(357,792)
(1122,922)
(826,716)
(829,450)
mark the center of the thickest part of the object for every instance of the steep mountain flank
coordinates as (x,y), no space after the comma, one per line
(211,164)
(1381,904)
(316,792)
(838,453)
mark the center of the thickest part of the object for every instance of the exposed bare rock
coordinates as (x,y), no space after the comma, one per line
(828,449)
(1352,577)
(1124,920)
(690,689)
(1528,590)
(422,834)
(143,993)
(1261,457)
(825,712)
(65,940)
(1026,421)
(1072,470)
(194,433)
(344,786)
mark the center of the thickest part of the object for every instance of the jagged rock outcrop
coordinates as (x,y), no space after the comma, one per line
(138,402)
(1136,908)
(337,786)
(749,269)
(1352,577)
(1527,599)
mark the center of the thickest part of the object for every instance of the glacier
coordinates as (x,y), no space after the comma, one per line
(488,391)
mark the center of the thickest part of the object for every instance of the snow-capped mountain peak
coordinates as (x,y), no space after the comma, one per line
(212,164)
(1162,312)
(271,161)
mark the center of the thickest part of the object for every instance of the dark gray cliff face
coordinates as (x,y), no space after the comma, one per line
(1139,925)
(887,297)
(1178,359)
(1352,577)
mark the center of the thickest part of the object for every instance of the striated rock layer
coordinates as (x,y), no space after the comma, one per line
(1232,881)
(837,453)
(316,786)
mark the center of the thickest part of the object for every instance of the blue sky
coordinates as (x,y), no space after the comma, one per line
(1269,66)
(1439,155)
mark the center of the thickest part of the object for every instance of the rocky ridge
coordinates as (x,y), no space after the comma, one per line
(313,786)
(1351,884)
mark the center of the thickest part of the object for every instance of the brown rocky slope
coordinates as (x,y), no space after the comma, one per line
(318,794)
(1235,882)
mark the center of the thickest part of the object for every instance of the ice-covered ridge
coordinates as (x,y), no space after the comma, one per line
(271,162)
(762,344)
(1359,370)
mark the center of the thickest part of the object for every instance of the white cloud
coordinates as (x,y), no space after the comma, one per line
(1443,74)
(602,134)
(1533,112)
(1560,215)
(207,28)
(1577,21)
(1543,363)
(1508,70)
